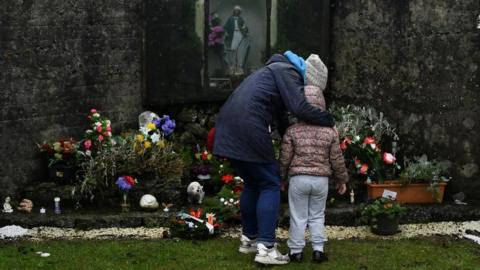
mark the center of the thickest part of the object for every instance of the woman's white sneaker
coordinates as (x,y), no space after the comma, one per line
(247,245)
(270,255)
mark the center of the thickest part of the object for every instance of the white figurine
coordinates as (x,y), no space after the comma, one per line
(166,207)
(7,208)
(195,193)
(149,202)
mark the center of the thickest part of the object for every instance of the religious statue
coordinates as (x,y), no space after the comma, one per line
(7,208)
(236,41)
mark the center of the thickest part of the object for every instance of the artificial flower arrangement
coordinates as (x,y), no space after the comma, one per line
(99,135)
(154,134)
(125,183)
(195,225)
(362,131)
(201,167)
(60,151)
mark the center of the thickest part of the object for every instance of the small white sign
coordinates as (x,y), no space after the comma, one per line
(392,195)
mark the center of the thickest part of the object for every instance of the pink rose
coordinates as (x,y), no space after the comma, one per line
(364,168)
(109,128)
(93,111)
(99,128)
(87,144)
(100,138)
(389,158)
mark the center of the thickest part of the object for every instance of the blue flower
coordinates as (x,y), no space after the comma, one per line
(123,184)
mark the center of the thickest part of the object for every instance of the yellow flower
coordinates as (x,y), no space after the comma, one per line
(140,137)
(151,126)
(147,144)
(161,143)
(58,156)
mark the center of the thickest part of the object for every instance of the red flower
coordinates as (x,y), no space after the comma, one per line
(130,180)
(100,138)
(93,111)
(109,128)
(210,139)
(364,168)
(204,155)
(227,178)
(99,128)
(237,189)
(369,140)
(344,144)
(196,213)
(388,158)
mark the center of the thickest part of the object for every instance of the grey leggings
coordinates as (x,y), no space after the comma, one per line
(307,196)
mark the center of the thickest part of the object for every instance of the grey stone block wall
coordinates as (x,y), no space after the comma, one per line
(58,59)
(417,61)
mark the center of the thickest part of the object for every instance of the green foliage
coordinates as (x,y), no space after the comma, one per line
(380,206)
(99,172)
(423,171)
(362,121)
(420,171)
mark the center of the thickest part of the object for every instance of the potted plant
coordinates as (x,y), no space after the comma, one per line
(383,215)
(62,157)
(420,182)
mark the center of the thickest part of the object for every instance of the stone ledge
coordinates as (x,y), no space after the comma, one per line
(344,215)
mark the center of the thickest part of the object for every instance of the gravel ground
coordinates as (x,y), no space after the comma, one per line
(333,232)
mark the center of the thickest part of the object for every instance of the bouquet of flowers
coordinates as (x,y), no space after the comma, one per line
(99,134)
(154,134)
(192,226)
(361,131)
(125,183)
(60,151)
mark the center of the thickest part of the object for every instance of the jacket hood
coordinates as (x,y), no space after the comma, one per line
(278,58)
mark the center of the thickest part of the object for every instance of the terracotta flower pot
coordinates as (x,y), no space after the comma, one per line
(410,193)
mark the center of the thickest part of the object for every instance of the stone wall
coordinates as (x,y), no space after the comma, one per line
(58,59)
(417,61)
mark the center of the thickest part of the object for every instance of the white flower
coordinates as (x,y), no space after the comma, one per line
(222,199)
(221,166)
(88,153)
(89,131)
(373,146)
(231,200)
(98,124)
(96,115)
(144,130)
(356,138)
(108,122)
(155,138)
(225,203)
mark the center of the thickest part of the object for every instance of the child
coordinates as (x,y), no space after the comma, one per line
(310,155)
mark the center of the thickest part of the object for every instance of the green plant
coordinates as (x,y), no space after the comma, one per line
(423,171)
(99,172)
(380,206)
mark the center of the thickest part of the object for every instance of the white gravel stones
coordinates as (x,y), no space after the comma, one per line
(12,231)
(333,232)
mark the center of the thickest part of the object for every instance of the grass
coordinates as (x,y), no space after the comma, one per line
(429,253)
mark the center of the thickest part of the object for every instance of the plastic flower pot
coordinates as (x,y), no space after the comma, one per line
(384,225)
(61,173)
(410,193)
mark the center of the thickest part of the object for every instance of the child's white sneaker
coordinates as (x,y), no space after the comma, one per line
(247,245)
(270,255)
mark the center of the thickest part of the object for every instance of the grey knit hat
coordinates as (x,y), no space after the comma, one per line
(316,72)
(314,96)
